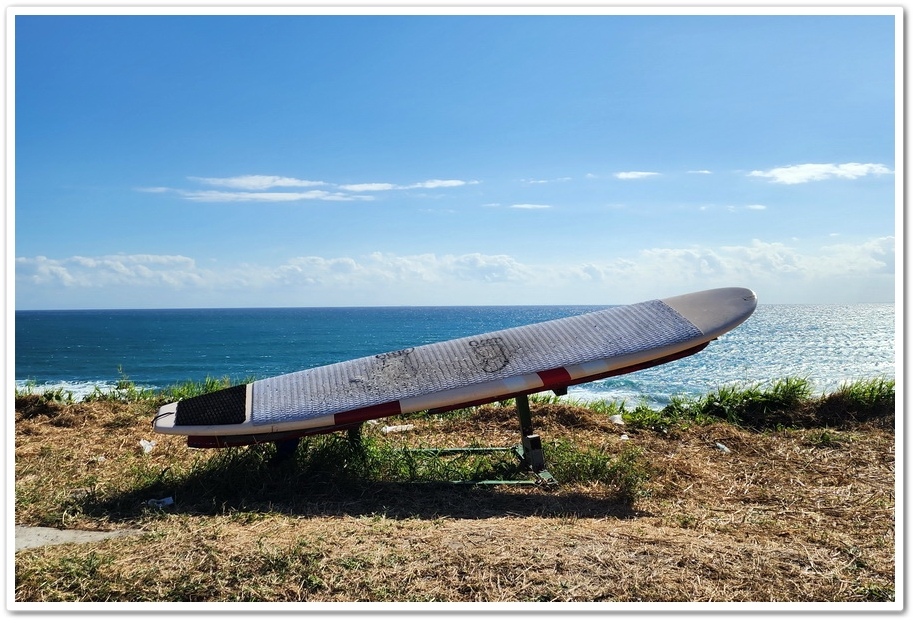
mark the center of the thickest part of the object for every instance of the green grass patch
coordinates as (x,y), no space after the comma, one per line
(858,401)
(787,402)
(69,575)
(756,406)
(627,470)
(827,438)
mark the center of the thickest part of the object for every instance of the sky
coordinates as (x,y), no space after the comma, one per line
(337,160)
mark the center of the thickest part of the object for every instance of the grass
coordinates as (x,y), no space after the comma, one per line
(787,402)
(800,508)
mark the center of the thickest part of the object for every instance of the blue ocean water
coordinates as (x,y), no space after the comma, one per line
(79,350)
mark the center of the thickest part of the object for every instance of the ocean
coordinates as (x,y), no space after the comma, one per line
(79,350)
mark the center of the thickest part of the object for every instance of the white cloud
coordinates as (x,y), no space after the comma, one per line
(256,182)
(154,189)
(779,272)
(381,186)
(169,275)
(388,268)
(110,271)
(311,270)
(530,206)
(441,184)
(802,173)
(556,179)
(876,256)
(213,196)
(755,206)
(369,187)
(253,188)
(634,175)
(486,268)
(701,172)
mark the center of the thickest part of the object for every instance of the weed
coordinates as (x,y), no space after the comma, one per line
(686,520)
(627,471)
(544,398)
(785,403)
(826,438)
(124,390)
(68,577)
(859,401)
(875,592)
(607,407)
(756,406)
(630,472)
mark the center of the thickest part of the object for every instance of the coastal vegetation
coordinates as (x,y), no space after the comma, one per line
(764,492)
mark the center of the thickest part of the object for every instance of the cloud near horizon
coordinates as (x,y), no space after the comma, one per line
(146,270)
(387,278)
(803,173)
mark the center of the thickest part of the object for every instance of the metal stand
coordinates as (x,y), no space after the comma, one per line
(529,451)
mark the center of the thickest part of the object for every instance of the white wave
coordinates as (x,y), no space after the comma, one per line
(76,390)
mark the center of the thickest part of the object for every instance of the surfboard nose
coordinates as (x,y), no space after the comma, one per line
(717,311)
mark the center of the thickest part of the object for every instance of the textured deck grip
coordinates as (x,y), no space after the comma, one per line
(226,406)
(465,362)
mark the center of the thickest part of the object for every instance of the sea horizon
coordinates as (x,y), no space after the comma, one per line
(399,306)
(79,350)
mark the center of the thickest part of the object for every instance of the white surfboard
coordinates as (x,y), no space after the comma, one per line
(550,355)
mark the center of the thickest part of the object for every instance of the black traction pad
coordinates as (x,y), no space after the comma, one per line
(226,406)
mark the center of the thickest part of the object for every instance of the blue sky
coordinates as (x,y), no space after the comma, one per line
(308,160)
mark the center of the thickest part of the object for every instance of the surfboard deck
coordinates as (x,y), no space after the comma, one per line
(469,371)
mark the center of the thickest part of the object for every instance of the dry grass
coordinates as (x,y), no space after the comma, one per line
(801,515)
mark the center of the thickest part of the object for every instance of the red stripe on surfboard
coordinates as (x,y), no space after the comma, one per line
(557,377)
(386,409)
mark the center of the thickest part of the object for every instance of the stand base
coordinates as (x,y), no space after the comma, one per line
(529,452)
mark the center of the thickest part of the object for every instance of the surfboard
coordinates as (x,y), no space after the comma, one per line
(442,376)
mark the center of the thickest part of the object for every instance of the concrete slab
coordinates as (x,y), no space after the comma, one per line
(36,536)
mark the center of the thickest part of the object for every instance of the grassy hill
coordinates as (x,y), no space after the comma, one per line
(753,494)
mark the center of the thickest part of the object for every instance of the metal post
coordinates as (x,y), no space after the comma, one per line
(524,415)
(530,451)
